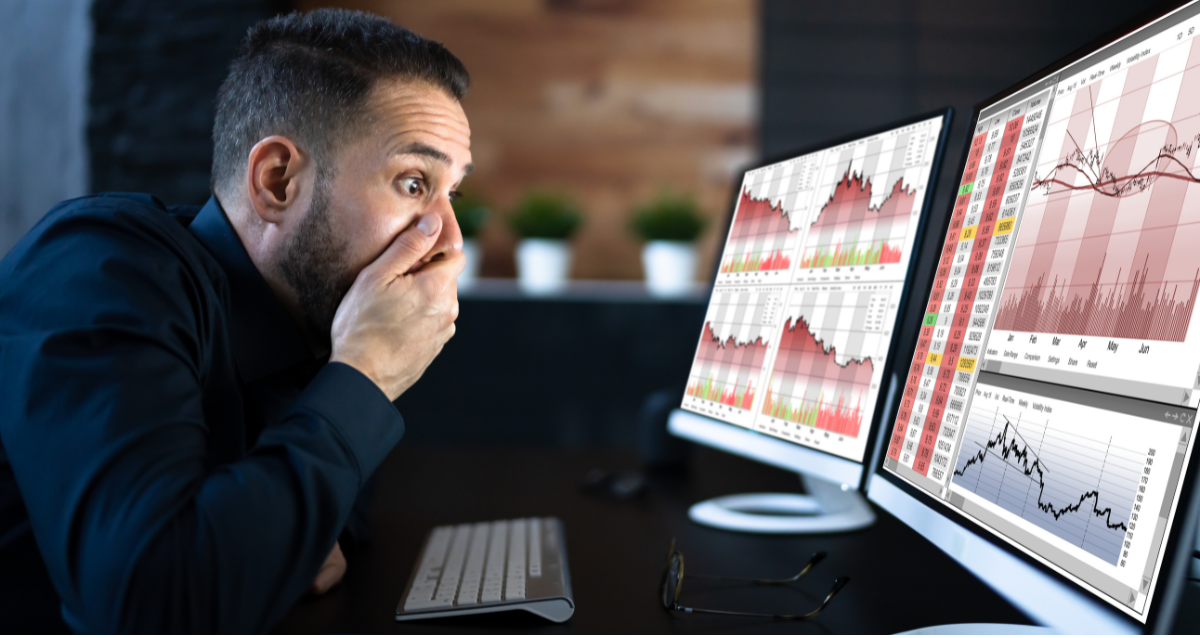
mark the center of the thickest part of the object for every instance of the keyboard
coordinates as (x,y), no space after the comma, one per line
(487,567)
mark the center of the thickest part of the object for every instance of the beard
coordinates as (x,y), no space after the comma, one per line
(314,266)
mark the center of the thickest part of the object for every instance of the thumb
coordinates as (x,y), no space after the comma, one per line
(410,246)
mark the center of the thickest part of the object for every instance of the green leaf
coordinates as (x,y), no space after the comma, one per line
(471,213)
(669,217)
(545,216)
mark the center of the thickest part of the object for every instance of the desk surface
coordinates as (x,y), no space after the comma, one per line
(616,550)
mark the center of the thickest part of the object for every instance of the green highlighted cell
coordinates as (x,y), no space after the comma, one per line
(930,319)
(965,189)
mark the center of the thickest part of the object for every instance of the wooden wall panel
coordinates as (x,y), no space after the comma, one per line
(609,100)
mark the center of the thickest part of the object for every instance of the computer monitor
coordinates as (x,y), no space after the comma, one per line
(796,344)
(1044,434)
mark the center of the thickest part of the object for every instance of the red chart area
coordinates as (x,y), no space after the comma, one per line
(850,232)
(725,370)
(1108,241)
(809,387)
(759,239)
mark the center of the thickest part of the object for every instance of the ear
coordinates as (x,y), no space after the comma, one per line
(274,177)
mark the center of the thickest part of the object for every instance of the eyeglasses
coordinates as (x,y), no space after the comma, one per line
(672,583)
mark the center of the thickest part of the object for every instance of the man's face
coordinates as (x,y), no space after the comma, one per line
(416,155)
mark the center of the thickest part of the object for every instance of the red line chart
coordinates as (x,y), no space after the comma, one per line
(1106,248)
(849,231)
(810,387)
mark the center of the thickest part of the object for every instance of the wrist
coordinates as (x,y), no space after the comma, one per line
(363,369)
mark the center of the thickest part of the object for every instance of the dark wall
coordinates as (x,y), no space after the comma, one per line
(155,71)
(553,373)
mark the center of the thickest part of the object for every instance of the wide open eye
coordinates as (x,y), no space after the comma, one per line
(414,186)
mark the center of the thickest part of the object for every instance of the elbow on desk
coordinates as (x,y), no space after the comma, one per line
(174,583)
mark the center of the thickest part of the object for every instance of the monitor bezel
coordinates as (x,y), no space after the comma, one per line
(1176,552)
(770,452)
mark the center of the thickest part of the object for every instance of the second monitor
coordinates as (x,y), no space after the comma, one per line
(796,344)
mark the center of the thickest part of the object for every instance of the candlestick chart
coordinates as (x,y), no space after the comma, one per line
(761,238)
(1107,245)
(850,231)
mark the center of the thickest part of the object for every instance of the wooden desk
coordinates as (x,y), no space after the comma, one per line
(616,551)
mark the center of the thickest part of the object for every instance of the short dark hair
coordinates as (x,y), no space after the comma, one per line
(308,76)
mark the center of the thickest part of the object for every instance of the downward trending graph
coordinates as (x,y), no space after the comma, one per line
(809,385)
(1074,483)
(761,238)
(1107,240)
(849,231)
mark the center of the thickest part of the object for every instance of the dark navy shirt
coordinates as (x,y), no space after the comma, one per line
(172,456)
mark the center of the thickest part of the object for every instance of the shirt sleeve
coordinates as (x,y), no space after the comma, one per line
(103,362)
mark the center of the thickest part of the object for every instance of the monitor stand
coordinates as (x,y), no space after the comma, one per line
(827,508)
(979,629)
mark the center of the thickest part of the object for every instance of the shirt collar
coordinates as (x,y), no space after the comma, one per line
(264,336)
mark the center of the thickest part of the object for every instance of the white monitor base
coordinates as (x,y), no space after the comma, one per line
(979,629)
(828,508)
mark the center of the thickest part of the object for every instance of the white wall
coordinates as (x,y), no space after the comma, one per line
(44,53)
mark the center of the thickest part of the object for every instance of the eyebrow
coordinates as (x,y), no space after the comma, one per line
(420,148)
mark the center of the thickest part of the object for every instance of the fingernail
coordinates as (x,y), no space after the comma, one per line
(428,224)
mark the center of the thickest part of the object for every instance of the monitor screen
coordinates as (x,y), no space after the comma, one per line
(796,339)
(1052,395)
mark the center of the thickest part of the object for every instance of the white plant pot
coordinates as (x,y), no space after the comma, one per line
(543,265)
(670,267)
(474,256)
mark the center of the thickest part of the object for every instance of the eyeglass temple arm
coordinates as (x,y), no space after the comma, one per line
(812,562)
(837,586)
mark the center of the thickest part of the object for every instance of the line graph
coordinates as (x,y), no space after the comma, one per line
(810,386)
(1107,241)
(738,330)
(727,369)
(1020,450)
(829,346)
(761,238)
(767,222)
(850,231)
(1077,482)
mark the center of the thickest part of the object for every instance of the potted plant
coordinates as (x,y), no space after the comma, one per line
(669,225)
(471,213)
(544,221)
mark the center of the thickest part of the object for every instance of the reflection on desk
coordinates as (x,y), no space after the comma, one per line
(617,549)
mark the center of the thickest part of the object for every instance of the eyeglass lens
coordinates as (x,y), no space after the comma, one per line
(671,580)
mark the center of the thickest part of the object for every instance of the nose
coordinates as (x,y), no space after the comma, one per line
(451,238)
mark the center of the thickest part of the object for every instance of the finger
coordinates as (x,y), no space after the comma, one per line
(442,271)
(410,246)
(331,572)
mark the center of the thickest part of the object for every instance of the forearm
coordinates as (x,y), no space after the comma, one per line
(182,548)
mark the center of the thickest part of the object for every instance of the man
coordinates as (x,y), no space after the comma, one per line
(193,401)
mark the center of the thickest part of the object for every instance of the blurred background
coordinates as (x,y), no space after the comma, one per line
(608,104)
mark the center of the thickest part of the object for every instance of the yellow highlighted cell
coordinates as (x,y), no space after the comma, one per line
(934,359)
(1005,226)
(968,233)
(966,365)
